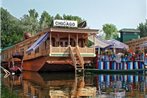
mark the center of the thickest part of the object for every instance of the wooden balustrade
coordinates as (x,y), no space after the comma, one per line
(60,50)
(66,50)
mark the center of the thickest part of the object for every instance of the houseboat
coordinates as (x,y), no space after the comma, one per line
(53,49)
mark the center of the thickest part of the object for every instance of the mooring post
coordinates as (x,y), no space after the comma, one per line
(12,62)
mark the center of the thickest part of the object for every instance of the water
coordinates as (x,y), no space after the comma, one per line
(69,85)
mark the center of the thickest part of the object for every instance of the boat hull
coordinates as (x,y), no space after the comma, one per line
(48,64)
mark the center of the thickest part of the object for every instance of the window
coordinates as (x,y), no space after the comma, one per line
(6,56)
(37,50)
(29,52)
(2,56)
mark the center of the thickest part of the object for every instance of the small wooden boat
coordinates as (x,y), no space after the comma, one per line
(53,49)
(15,70)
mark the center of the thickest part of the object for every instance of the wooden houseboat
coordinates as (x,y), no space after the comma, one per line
(53,49)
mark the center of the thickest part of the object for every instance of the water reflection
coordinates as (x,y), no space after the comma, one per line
(67,85)
(122,86)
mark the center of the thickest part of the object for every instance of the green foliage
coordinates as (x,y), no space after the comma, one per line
(12,29)
(90,43)
(30,22)
(110,30)
(143,29)
(70,17)
(58,16)
(45,20)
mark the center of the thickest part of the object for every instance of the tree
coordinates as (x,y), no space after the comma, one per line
(110,30)
(30,22)
(45,20)
(143,29)
(58,16)
(70,17)
(11,31)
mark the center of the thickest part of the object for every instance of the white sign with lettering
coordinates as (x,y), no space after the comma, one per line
(65,23)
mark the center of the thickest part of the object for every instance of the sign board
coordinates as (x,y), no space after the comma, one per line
(65,23)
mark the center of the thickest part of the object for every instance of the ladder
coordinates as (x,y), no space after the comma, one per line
(77,59)
(79,83)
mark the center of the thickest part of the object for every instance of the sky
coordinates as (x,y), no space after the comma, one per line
(122,13)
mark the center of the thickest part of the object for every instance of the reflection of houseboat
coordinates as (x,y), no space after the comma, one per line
(54,49)
(56,85)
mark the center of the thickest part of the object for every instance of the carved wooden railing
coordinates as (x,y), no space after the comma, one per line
(86,50)
(65,49)
(59,50)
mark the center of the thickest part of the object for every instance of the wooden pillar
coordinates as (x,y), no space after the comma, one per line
(50,42)
(58,40)
(94,42)
(68,39)
(77,40)
(143,53)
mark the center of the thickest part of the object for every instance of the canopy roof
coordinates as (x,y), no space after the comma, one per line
(100,43)
(71,30)
(117,44)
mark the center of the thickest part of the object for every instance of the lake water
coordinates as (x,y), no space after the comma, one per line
(69,85)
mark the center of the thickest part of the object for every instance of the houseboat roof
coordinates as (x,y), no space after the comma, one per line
(70,30)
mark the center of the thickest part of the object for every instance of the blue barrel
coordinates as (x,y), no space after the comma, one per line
(135,65)
(114,65)
(145,61)
(121,65)
(141,65)
(130,65)
(100,65)
(125,65)
(107,65)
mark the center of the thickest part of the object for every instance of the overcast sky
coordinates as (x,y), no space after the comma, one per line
(122,13)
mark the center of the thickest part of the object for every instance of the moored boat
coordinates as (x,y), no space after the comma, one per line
(54,49)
